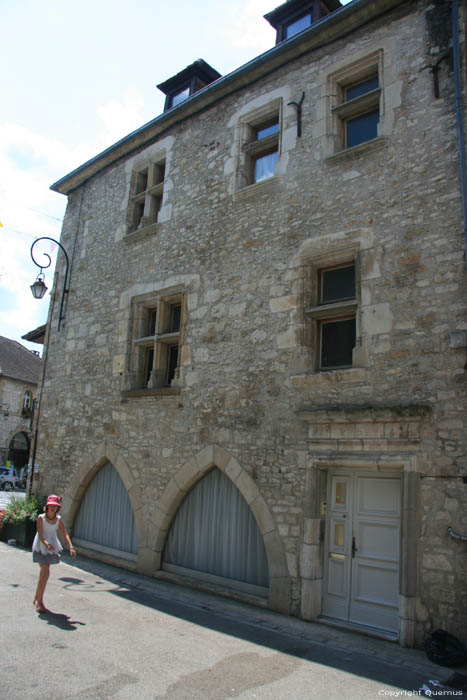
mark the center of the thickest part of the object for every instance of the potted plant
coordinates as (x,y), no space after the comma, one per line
(18,520)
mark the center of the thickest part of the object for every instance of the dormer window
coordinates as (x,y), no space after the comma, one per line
(186,83)
(179,96)
(295,16)
(297,25)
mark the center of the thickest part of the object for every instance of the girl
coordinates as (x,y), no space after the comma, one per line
(46,547)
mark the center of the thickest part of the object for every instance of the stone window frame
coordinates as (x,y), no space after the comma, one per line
(154,342)
(27,403)
(317,312)
(146,196)
(339,111)
(251,148)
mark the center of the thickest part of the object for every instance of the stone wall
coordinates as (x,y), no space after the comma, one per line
(11,418)
(244,258)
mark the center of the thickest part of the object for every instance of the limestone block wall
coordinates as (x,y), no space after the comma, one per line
(11,419)
(244,258)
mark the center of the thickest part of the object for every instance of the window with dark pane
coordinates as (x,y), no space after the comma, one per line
(149,362)
(175,318)
(138,213)
(337,284)
(172,362)
(141,182)
(337,342)
(361,88)
(362,128)
(152,313)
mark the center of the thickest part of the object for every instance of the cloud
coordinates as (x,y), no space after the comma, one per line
(246,27)
(30,162)
(122,117)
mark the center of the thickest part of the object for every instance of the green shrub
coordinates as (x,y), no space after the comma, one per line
(21,509)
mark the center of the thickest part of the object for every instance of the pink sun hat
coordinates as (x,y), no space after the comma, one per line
(54,501)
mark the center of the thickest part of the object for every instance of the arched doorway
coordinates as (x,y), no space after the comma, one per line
(105,521)
(18,452)
(214,536)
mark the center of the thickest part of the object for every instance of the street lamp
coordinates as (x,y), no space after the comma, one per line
(39,288)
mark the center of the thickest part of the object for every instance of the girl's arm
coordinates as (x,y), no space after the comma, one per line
(66,537)
(40,532)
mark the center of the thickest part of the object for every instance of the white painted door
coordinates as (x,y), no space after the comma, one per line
(363,549)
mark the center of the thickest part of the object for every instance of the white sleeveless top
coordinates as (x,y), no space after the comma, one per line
(49,534)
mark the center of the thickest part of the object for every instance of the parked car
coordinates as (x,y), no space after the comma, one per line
(8,478)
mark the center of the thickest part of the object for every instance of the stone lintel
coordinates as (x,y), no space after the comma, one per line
(364,414)
(368,461)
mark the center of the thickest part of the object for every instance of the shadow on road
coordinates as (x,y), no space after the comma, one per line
(255,626)
(60,620)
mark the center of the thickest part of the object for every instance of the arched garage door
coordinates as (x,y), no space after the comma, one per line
(105,520)
(214,536)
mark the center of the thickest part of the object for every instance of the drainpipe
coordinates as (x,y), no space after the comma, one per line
(459,116)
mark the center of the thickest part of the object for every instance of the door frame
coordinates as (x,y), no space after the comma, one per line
(313,549)
(351,477)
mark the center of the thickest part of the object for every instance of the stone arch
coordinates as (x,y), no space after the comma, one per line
(183,481)
(18,455)
(83,476)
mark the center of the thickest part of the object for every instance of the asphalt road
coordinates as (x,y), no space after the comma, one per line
(115,635)
(7,496)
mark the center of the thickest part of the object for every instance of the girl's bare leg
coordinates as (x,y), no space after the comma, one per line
(41,584)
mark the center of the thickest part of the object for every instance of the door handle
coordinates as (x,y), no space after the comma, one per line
(354,548)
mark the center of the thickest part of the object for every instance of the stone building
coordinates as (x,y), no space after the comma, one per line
(259,384)
(19,378)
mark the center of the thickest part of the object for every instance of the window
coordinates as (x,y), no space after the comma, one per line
(262,148)
(297,25)
(179,96)
(190,80)
(334,315)
(27,404)
(146,196)
(360,115)
(355,98)
(294,16)
(156,338)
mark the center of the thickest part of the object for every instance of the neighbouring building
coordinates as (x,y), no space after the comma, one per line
(258,386)
(19,378)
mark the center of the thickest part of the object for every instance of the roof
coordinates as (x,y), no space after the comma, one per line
(287,8)
(36,336)
(330,28)
(199,69)
(17,362)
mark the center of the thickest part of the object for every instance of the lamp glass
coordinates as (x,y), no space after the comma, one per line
(38,289)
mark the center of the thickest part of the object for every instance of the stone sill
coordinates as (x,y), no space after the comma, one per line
(347,153)
(322,379)
(161,392)
(269,185)
(134,236)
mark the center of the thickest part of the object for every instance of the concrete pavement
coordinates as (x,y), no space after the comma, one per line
(117,635)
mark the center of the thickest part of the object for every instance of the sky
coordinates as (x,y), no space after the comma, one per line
(76,77)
